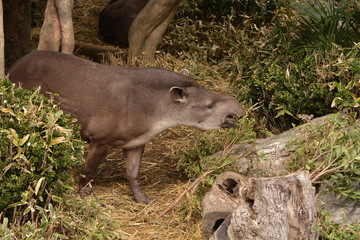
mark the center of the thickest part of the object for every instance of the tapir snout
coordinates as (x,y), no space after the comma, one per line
(123,106)
(237,112)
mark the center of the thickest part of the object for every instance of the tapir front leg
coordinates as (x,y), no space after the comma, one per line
(133,159)
(96,153)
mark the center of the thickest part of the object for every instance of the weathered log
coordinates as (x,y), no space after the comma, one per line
(269,156)
(221,201)
(238,207)
(96,53)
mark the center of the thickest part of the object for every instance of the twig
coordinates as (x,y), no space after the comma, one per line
(227,149)
(194,184)
(327,170)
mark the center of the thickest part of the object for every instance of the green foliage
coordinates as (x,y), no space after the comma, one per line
(347,86)
(239,10)
(330,230)
(259,59)
(318,83)
(325,22)
(70,218)
(199,159)
(38,147)
(331,152)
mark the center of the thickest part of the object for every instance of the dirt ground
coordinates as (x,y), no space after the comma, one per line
(160,179)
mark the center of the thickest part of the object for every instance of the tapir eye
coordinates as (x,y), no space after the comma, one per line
(211,105)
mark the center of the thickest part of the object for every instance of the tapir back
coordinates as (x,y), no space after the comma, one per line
(64,75)
(85,88)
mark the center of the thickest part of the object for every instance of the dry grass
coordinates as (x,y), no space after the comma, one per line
(163,184)
(85,17)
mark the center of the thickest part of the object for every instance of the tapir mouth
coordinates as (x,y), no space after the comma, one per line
(228,122)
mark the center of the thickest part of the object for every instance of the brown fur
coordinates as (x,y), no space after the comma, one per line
(123,106)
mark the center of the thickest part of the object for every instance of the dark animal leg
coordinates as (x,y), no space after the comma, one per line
(96,153)
(133,159)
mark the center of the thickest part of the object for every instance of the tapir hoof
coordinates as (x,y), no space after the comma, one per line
(142,198)
(85,191)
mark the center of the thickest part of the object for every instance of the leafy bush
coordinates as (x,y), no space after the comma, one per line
(261,62)
(239,10)
(315,84)
(331,153)
(197,160)
(347,86)
(327,22)
(69,218)
(330,230)
(39,145)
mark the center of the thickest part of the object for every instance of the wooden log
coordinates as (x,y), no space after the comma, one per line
(263,208)
(96,53)
(270,156)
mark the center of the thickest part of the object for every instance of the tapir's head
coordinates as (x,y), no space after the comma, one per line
(205,109)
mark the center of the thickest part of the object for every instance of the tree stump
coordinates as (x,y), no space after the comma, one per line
(238,207)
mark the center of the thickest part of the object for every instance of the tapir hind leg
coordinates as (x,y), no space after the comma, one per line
(133,159)
(96,153)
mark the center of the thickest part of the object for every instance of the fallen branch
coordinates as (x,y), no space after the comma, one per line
(193,185)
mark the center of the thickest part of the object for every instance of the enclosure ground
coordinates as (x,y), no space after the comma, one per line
(163,184)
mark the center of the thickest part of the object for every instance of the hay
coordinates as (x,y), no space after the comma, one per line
(161,182)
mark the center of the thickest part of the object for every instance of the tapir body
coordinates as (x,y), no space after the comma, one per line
(124,107)
(116,18)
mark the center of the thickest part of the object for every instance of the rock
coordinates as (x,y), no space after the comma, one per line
(341,209)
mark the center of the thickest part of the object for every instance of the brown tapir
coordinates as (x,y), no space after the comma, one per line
(124,107)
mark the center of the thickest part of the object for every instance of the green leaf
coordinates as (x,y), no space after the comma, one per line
(57,199)
(15,137)
(58,140)
(65,237)
(38,185)
(4,224)
(23,140)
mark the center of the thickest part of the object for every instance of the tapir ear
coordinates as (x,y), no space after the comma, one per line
(178,94)
(185,72)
